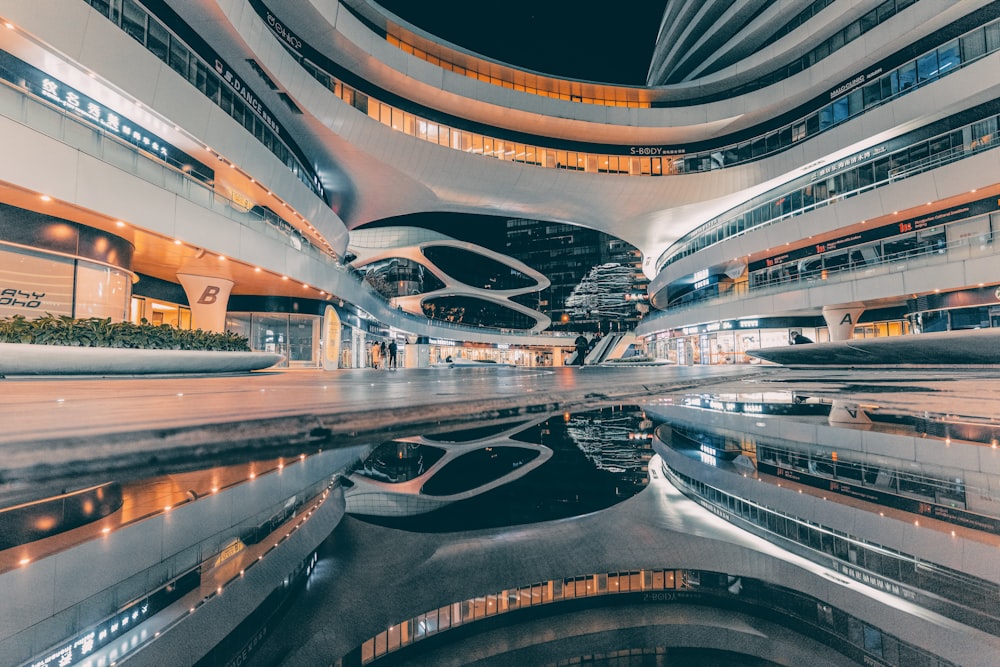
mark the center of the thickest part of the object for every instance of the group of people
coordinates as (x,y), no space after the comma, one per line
(382,353)
(583,347)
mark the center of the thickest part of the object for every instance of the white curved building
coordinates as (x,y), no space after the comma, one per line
(826,168)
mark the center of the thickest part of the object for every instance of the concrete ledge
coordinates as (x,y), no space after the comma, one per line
(20,359)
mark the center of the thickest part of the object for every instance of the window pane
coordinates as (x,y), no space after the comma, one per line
(907,76)
(948,57)
(927,66)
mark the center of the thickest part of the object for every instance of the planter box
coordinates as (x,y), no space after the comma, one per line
(17,359)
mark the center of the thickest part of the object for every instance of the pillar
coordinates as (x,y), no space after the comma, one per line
(557,356)
(841,320)
(331,338)
(844,412)
(208,298)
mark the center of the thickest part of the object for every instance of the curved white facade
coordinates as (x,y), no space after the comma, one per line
(853,142)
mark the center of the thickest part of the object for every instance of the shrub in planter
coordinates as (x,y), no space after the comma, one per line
(98,332)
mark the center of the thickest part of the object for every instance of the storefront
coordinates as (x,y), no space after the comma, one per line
(51,266)
(442,351)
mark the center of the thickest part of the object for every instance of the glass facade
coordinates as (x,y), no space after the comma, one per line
(36,283)
(938,62)
(872,171)
(297,337)
(163,43)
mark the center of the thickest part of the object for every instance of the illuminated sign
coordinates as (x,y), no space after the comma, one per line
(86,108)
(244,92)
(850,161)
(286,35)
(854,83)
(240,201)
(229,551)
(441,341)
(88,642)
(655,150)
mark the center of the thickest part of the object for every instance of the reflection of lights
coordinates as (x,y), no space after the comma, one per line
(45,523)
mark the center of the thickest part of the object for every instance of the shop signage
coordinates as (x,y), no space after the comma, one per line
(909,225)
(852,161)
(655,150)
(240,201)
(241,89)
(33,286)
(84,107)
(853,489)
(855,82)
(441,341)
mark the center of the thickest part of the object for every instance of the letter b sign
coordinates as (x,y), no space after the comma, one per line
(210,295)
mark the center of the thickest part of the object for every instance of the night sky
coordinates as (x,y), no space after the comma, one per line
(610,42)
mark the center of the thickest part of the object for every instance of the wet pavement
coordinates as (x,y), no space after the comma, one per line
(131,428)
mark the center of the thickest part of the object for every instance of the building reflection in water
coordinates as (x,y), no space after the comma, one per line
(548,468)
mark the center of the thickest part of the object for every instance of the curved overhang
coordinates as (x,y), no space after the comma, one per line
(418,239)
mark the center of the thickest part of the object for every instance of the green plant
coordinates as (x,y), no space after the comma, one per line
(102,332)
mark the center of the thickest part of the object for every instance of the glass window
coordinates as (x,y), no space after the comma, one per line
(868,21)
(826,117)
(890,85)
(853,31)
(134,20)
(179,58)
(872,94)
(837,41)
(908,76)
(949,56)
(973,45)
(854,104)
(157,40)
(841,110)
(772,142)
(812,125)
(992,36)
(886,10)
(927,66)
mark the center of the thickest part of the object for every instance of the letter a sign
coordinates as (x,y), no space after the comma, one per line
(847,319)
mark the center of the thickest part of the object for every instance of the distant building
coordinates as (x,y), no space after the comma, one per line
(567,255)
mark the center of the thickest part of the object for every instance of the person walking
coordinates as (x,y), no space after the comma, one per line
(582,345)
(383,354)
(376,355)
(393,348)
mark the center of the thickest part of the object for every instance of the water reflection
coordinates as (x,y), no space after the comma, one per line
(549,468)
(846,449)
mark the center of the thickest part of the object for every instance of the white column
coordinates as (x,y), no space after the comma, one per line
(844,412)
(208,298)
(331,339)
(841,320)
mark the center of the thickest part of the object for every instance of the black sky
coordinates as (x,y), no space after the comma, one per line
(605,41)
